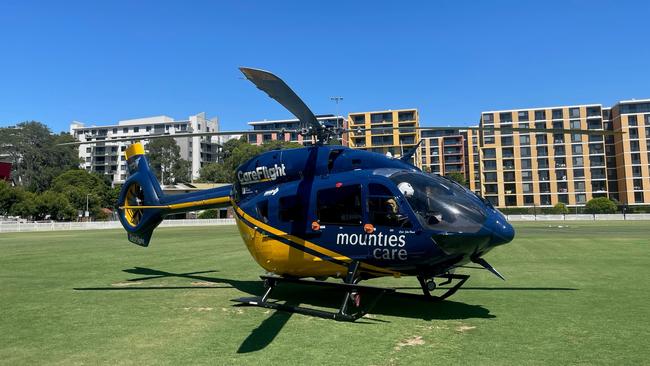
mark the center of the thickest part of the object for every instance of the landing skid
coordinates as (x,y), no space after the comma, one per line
(429,285)
(351,308)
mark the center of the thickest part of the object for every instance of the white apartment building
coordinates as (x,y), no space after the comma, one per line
(107,157)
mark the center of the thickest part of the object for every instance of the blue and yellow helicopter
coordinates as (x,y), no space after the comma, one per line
(327,211)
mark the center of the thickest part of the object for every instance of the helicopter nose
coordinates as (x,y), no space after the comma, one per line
(502,231)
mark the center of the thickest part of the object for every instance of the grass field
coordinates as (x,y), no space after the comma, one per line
(575,294)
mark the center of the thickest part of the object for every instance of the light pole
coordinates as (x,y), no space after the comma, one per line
(337,100)
(87,214)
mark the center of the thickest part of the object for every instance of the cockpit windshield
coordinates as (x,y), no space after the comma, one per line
(441,204)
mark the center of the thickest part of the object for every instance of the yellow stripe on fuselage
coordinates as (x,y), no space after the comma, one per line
(176,206)
(307,244)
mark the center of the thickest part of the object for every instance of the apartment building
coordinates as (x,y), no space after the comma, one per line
(293,124)
(107,157)
(390,131)
(629,152)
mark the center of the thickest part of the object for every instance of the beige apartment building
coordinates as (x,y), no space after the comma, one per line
(385,137)
(542,169)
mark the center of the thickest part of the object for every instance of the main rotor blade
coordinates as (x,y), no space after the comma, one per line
(177,135)
(500,129)
(282,93)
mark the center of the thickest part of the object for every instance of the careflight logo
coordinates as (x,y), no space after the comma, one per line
(261,174)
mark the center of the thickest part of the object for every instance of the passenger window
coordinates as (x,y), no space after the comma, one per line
(290,208)
(340,206)
(263,210)
(383,208)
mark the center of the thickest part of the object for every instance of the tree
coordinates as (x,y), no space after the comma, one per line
(35,156)
(456,176)
(55,205)
(234,153)
(165,160)
(560,208)
(600,205)
(26,207)
(8,197)
(78,186)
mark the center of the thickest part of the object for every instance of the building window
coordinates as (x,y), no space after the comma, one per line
(507,141)
(488,118)
(505,117)
(136,129)
(576,149)
(574,112)
(529,200)
(125,130)
(638,197)
(522,116)
(524,140)
(115,130)
(579,186)
(524,152)
(490,164)
(593,111)
(632,121)
(540,115)
(578,162)
(527,176)
(557,113)
(381,117)
(406,116)
(489,153)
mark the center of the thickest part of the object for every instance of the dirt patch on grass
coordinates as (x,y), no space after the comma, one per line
(203,284)
(464,328)
(125,284)
(413,341)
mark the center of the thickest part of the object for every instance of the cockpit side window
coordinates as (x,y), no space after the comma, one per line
(340,206)
(383,208)
(440,204)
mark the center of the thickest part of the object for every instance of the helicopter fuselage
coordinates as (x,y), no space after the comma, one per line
(309,212)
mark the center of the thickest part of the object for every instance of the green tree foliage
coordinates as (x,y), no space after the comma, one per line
(35,156)
(234,153)
(600,205)
(76,185)
(458,177)
(8,197)
(26,207)
(165,159)
(55,205)
(560,208)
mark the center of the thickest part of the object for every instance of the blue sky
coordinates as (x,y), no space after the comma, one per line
(100,62)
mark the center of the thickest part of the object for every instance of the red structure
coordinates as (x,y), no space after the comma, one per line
(5,171)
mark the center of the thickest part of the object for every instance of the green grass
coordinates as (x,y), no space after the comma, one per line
(574,295)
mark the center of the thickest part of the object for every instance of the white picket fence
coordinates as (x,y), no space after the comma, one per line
(584,217)
(11,227)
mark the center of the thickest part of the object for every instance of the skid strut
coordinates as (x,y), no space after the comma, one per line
(428,285)
(352,298)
